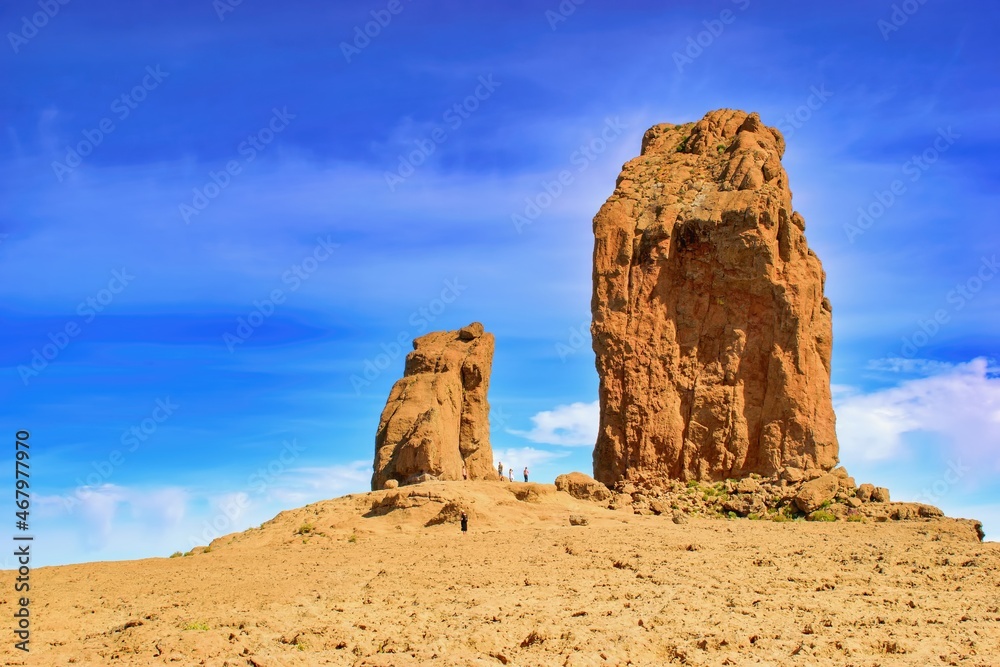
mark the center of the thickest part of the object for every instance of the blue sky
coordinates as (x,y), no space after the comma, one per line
(227,226)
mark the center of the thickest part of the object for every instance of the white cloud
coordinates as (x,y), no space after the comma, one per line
(958,403)
(909,366)
(570,425)
(304,485)
(519,457)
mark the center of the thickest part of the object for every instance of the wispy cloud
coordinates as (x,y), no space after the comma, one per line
(573,425)
(958,403)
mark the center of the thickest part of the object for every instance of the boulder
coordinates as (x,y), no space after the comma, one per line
(436,418)
(814,493)
(792,475)
(578,520)
(865,492)
(880,495)
(659,507)
(583,487)
(710,328)
(390,484)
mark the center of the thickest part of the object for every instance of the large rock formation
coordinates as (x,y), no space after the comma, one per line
(437,417)
(710,327)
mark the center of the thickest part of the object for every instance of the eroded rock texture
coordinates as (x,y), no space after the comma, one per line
(437,417)
(710,327)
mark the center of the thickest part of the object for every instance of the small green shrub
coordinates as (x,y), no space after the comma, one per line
(176,554)
(201,626)
(353,538)
(305,529)
(856,518)
(721,148)
(822,515)
(188,553)
(691,483)
(778,517)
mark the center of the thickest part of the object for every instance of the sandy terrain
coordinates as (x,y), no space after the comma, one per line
(526,588)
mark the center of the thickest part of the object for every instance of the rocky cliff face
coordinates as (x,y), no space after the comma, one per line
(711,331)
(437,417)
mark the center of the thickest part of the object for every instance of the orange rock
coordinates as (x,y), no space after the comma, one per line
(711,331)
(437,416)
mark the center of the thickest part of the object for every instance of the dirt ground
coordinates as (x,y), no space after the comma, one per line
(328,585)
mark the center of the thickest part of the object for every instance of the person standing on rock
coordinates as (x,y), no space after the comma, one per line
(500,470)
(465,524)
(525,473)
(510,474)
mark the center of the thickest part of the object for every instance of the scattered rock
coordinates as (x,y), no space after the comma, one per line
(583,487)
(390,484)
(659,507)
(793,475)
(813,494)
(578,520)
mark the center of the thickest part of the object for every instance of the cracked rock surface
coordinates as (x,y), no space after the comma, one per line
(710,327)
(437,416)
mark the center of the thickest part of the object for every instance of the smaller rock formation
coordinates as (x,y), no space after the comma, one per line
(437,416)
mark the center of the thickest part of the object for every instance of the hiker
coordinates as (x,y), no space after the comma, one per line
(510,474)
(465,472)
(500,470)
(465,524)
(525,473)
